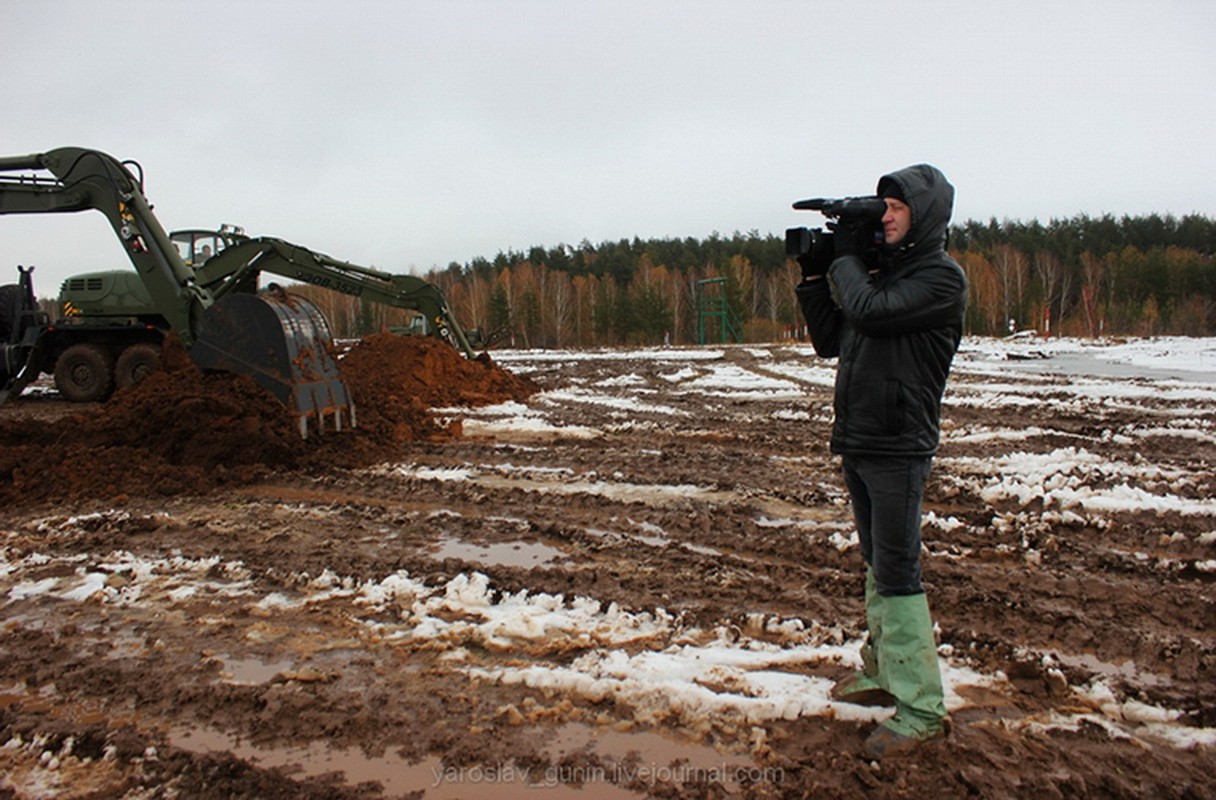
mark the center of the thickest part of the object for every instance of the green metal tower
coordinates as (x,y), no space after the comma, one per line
(713,310)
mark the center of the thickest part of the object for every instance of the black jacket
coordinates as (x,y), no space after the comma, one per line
(895,331)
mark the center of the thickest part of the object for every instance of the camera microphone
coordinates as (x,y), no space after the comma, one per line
(872,207)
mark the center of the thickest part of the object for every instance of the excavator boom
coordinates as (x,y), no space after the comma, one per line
(239,262)
(88,179)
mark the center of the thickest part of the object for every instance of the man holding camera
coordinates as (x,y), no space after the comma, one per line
(885,297)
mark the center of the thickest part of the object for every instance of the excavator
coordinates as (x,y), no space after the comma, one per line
(201,285)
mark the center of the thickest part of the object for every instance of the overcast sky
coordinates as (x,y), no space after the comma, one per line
(407,135)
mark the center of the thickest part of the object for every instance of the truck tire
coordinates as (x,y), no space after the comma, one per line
(84,373)
(136,363)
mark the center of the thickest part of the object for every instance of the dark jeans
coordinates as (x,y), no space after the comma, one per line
(887,493)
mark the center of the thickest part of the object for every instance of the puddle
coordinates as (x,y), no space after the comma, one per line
(642,758)
(1126,671)
(250,671)
(500,554)
(648,539)
(649,758)
(397,776)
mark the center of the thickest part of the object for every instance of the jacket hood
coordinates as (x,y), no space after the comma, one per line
(931,198)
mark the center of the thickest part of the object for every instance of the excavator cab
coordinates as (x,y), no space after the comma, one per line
(196,247)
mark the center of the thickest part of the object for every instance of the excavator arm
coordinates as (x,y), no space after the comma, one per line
(70,179)
(238,264)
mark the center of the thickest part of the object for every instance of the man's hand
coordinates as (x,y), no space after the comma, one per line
(815,263)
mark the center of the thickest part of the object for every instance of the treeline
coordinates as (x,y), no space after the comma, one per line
(1077,277)
(1088,277)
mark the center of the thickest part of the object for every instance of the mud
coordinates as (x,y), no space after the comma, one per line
(185,431)
(194,603)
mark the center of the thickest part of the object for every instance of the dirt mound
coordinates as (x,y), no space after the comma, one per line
(192,419)
(395,380)
(173,432)
(181,430)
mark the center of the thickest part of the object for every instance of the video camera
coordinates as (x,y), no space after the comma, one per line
(867,210)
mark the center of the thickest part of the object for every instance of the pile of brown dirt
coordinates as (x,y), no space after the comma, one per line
(181,430)
(396,380)
(173,432)
(188,418)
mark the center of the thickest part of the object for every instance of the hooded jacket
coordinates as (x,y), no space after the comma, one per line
(895,331)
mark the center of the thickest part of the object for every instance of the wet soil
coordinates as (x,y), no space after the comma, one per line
(185,588)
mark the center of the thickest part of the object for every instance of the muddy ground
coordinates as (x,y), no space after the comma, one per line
(195,604)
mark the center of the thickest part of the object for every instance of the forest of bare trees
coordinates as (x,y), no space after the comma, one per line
(1083,276)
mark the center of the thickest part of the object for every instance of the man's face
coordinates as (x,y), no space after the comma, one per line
(897,221)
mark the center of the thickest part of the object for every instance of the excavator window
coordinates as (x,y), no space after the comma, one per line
(195,247)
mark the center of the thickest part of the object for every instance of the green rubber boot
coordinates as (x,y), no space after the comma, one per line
(907,655)
(866,688)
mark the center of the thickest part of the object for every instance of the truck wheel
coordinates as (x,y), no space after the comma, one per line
(84,373)
(136,363)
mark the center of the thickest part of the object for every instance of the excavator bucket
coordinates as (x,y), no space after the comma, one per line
(281,341)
